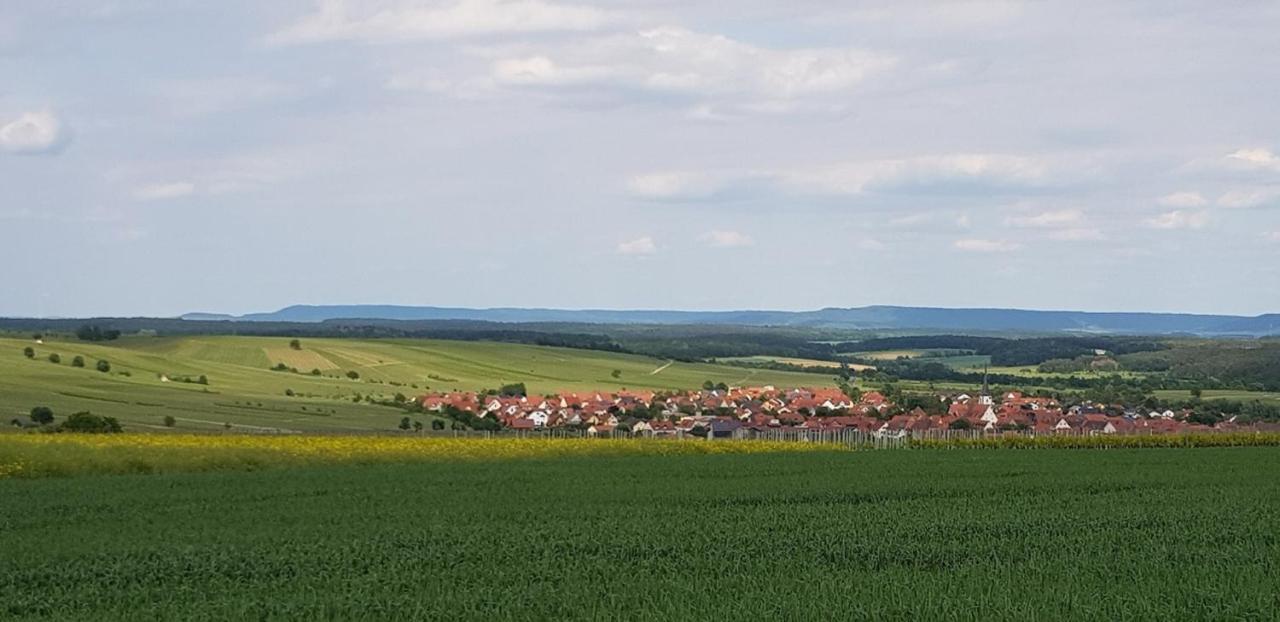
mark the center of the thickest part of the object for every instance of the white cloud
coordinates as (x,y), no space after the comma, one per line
(33,133)
(639,246)
(1178,219)
(727,239)
(1273,236)
(962,172)
(711,77)
(1254,159)
(1048,220)
(161,191)
(1078,234)
(1246,198)
(1182,200)
(986,246)
(398,20)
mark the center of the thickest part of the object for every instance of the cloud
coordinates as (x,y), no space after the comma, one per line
(1246,198)
(1079,234)
(1178,219)
(712,77)
(1048,220)
(925,174)
(162,191)
(338,20)
(1254,159)
(1273,236)
(986,246)
(639,246)
(727,239)
(33,133)
(1182,199)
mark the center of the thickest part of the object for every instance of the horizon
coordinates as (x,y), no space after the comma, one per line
(627,155)
(238,315)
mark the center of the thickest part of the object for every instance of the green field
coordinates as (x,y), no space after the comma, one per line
(243,391)
(1221,394)
(904,535)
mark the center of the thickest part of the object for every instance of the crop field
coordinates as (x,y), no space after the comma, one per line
(149,378)
(1151,534)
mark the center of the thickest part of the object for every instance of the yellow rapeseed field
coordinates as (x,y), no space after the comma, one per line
(46,455)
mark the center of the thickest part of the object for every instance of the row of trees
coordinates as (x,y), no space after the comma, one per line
(102,365)
(83,422)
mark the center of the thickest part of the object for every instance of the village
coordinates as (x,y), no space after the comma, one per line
(769,412)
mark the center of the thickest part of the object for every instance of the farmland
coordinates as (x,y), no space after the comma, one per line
(151,377)
(959,534)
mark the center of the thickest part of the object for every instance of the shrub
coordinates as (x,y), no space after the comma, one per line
(29,352)
(295,344)
(78,361)
(103,366)
(42,415)
(288,392)
(353,375)
(405,424)
(55,358)
(203,379)
(85,421)
(437,424)
(315,372)
(169,421)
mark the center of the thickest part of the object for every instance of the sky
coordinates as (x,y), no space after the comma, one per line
(166,156)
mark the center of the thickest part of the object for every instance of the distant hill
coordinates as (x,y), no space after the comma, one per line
(871,317)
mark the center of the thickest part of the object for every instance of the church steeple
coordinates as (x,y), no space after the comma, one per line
(985,396)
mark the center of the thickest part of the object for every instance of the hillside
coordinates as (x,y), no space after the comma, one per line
(871,317)
(243,391)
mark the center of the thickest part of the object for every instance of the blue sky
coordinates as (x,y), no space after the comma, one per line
(158,157)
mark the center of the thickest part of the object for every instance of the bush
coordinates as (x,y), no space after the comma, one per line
(88,422)
(353,375)
(55,358)
(315,372)
(203,379)
(104,366)
(295,344)
(42,415)
(169,421)
(77,361)
(29,352)
(288,392)
(437,424)
(405,423)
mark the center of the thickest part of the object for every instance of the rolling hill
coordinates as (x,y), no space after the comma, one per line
(871,317)
(149,378)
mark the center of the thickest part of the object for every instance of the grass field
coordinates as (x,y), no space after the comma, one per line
(242,391)
(1223,394)
(906,535)
(791,361)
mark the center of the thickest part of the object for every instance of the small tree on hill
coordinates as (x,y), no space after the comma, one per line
(77,361)
(354,375)
(405,423)
(55,358)
(103,366)
(617,373)
(169,421)
(437,425)
(295,344)
(417,426)
(203,379)
(29,352)
(42,415)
